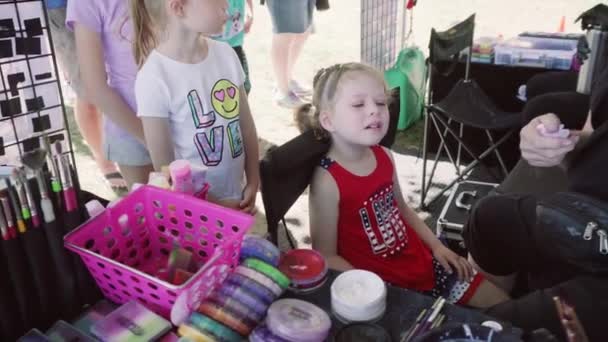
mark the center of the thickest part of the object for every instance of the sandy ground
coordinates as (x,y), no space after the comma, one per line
(337,39)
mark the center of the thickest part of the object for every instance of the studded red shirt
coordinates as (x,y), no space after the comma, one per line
(372,233)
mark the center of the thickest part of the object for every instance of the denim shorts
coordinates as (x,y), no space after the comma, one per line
(123,149)
(291,16)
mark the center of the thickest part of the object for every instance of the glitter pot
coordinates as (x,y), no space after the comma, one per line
(233,321)
(362,332)
(268,270)
(255,313)
(260,278)
(306,268)
(252,286)
(298,321)
(259,248)
(358,296)
(263,334)
(213,328)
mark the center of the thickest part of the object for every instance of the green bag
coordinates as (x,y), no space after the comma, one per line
(409,76)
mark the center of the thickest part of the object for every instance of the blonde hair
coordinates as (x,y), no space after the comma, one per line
(325,88)
(148,18)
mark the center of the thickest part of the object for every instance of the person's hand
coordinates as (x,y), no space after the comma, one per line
(572,326)
(248,22)
(541,150)
(228,203)
(450,260)
(247,204)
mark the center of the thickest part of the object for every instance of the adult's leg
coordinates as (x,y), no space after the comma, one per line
(295,50)
(537,309)
(551,82)
(571,107)
(280,50)
(496,235)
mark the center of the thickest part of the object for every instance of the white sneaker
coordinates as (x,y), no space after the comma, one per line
(290,100)
(299,90)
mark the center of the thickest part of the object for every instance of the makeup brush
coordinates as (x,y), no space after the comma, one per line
(29,196)
(53,169)
(20,190)
(3,226)
(6,209)
(65,175)
(34,160)
(15,204)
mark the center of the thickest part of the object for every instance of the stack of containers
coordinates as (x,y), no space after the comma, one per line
(234,309)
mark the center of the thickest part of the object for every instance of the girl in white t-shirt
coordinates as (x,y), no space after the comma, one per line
(190,96)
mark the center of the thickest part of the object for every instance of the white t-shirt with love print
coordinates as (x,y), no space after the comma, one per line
(202,104)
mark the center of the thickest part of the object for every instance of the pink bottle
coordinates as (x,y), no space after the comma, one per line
(181,176)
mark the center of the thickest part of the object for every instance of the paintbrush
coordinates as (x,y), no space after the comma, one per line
(438,321)
(3,226)
(29,196)
(429,322)
(15,204)
(418,327)
(20,190)
(34,160)
(410,332)
(65,175)
(53,169)
(10,223)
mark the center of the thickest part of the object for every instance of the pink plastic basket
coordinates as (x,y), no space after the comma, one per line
(123,241)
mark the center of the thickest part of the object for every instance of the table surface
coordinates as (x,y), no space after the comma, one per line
(403,307)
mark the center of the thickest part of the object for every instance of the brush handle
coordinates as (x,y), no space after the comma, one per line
(36,220)
(69,195)
(55,185)
(46,205)
(12,232)
(21,226)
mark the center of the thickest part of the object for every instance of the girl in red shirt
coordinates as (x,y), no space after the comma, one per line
(358,216)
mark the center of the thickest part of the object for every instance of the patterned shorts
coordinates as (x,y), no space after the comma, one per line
(449,287)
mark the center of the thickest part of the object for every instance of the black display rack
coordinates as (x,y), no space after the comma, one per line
(31,98)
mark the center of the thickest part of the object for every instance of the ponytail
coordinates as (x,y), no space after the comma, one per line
(144,38)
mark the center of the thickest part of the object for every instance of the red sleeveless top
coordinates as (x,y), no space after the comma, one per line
(372,234)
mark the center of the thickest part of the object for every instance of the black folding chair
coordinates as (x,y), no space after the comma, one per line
(285,172)
(466,104)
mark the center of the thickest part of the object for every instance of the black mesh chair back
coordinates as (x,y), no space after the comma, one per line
(285,173)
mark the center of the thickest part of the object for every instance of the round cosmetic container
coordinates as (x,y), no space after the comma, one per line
(306,268)
(298,321)
(358,296)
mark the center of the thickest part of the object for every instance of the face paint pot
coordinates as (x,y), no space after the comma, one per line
(263,334)
(298,321)
(259,248)
(306,268)
(358,296)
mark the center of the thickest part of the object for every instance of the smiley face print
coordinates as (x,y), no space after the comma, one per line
(225,99)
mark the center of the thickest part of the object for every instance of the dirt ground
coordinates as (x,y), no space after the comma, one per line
(337,39)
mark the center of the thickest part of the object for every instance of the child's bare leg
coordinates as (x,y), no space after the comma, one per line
(506,283)
(487,295)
